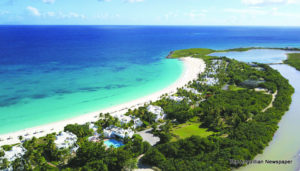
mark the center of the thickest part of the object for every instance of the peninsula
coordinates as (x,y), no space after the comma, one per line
(219,110)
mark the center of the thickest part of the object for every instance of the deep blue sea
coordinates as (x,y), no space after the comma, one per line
(50,73)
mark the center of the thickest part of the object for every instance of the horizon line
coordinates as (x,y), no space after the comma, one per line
(146,25)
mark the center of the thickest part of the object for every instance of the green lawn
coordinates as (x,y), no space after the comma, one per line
(235,88)
(293,60)
(195,52)
(188,129)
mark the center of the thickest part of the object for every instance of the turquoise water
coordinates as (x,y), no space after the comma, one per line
(51,73)
(256,55)
(114,143)
(82,91)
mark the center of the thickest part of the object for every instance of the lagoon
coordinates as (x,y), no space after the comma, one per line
(256,55)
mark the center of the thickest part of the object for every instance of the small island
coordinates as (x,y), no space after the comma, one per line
(228,113)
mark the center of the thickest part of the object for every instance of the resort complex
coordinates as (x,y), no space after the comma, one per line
(219,105)
(145,85)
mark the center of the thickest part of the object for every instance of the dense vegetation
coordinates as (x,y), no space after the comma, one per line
(293,60)
(241,129)
(230,108)
(79,130)
(95,156)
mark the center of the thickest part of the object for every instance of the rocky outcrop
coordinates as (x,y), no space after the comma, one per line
(170,54)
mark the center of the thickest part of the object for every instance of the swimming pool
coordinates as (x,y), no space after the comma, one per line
(113,143)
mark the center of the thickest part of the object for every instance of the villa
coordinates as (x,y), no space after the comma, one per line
(216,61)
(136,122)
(124,119)
(194,91)
(210,81)
(14,153)
(65,140)
(127,119)
(179,99)
(96,136)
(176,98)
(158,111)
(93,127)
(113,131)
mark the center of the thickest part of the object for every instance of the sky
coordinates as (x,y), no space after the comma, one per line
(151,12)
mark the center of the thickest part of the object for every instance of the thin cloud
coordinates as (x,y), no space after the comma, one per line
(69,15)
(49,1)
(268,2)
(196,14)
(250,11)
(33,11)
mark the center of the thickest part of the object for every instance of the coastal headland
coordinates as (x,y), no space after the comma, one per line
(219,110)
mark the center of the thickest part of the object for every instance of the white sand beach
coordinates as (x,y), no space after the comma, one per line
(192,67)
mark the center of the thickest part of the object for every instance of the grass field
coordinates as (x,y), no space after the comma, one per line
(235,88)
(293,60)
(188,129)
(195,52)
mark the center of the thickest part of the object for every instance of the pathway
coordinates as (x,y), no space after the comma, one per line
(271,104)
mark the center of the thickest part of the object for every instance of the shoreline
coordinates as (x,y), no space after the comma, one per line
(192,67)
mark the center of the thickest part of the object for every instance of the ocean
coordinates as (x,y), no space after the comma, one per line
(51,73)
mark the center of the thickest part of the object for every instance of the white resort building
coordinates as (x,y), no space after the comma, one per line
(179,99)
(14,153)
(124,119)
(96,135)
(137,122)
(176,98)
(192,90)
(113,131)
(93,127)
(65,140)
(158,111)
(209,81)
(127,119)
(94,138)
